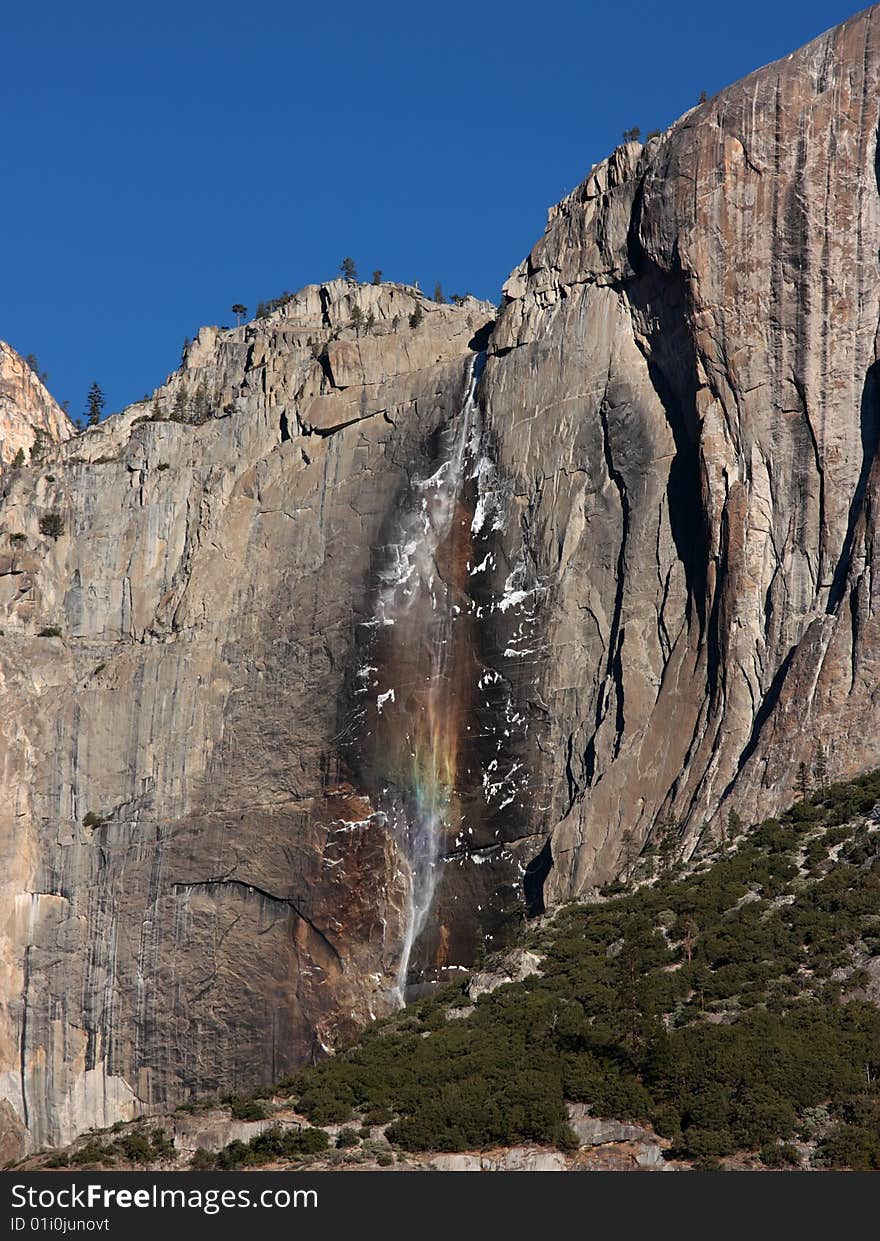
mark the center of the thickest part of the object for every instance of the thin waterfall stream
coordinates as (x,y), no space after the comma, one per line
(425,664)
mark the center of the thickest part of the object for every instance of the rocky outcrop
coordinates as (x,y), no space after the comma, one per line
(195,895)
(516,1159)
(594,1131)
(658,573)
(28,412)
(683,393)
(516,966)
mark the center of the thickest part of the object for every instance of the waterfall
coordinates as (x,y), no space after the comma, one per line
(422,657)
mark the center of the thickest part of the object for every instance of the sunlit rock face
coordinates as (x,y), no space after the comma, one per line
(28,411)
(196,894)
(378,625)
(682,389)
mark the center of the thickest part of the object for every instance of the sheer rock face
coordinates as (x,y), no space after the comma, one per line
(676,501)
(26,408)
(194,894)
(684,390)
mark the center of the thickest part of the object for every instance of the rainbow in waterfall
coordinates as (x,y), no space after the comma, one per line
(425,661)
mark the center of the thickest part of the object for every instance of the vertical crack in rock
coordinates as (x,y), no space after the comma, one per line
(534,879)
(614,668)
(23,1041)
(869,426)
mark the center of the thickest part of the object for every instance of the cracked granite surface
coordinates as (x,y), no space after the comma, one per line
(675,599)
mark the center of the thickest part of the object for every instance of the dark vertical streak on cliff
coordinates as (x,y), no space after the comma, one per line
(869,427)
(26,970)
(614,670)
(869,421)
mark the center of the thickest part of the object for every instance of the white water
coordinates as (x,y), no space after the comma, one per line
(412,571)
(420,604)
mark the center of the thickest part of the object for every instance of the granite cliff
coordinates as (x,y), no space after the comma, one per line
(655,574)
(684,393)
(28,410)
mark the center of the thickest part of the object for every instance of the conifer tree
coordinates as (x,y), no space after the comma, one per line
(802,785)
(629,853)
(820,769)
(34,364)
(181,405)
(201,405)
(39,444)
(95,403)
(668,839)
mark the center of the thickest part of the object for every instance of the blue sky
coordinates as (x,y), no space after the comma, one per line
(165,161)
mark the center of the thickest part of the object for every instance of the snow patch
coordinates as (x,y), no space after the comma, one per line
(388,696)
